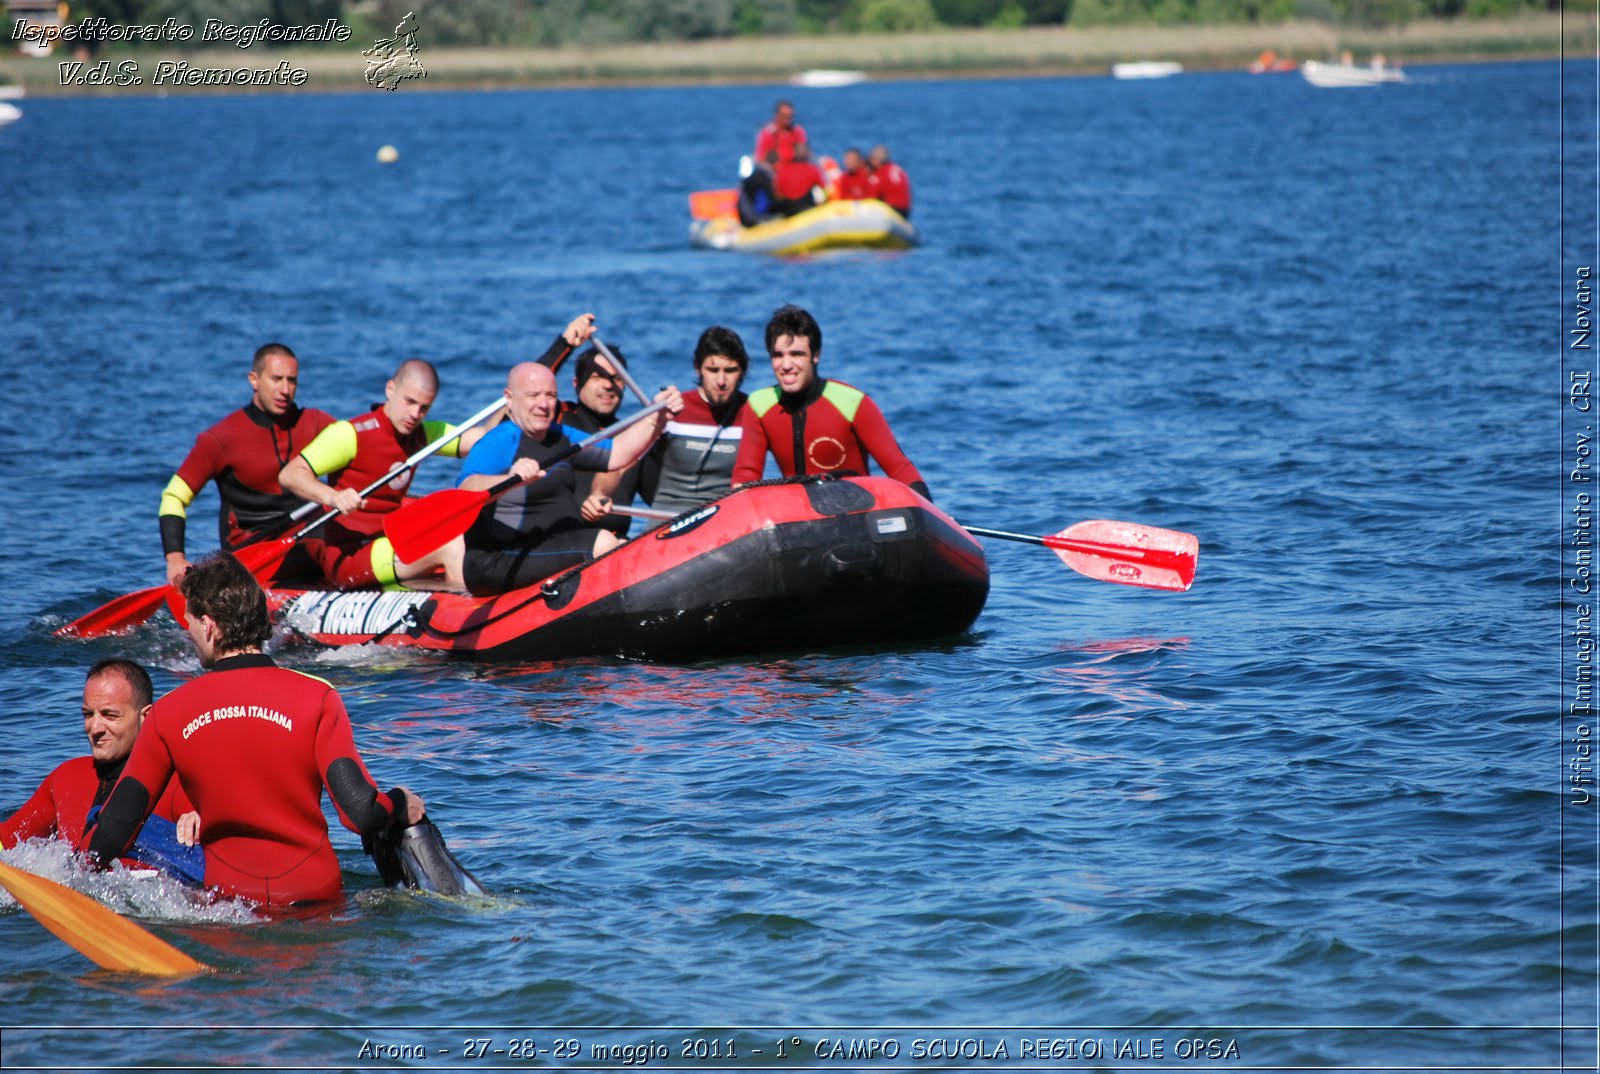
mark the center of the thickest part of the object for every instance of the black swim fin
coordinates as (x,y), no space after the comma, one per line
(417,858)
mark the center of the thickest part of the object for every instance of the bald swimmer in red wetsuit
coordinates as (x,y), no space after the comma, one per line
(116,699)
(812,425)
(243,453)
(254,744)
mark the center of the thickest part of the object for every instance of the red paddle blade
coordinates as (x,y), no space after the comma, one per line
(1129,554)
(710,204)
(432,522)
(128,610)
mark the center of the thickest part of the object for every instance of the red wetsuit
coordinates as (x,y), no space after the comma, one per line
(61,805)
(894,187)
(243,454)
(793,180)
(351,549)
(855,186)
(783,139)
(254,744)
(827,427)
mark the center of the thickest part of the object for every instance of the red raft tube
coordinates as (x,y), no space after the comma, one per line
(794,565)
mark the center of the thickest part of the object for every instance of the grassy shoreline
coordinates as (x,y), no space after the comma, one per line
(1048,51)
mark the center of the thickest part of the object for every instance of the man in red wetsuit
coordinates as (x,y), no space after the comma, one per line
(812,425)
(856,182)
(894,185)
(781,135)
(116,700)
(798,184)
(254,745)
(243,454)
(351,550)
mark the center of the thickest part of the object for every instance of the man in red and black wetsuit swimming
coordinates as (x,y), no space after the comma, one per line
(243,454)
(352,550)
(116,700)
(893,184)
(254,745)
(812,425)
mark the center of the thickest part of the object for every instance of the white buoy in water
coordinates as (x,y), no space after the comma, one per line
(388,155)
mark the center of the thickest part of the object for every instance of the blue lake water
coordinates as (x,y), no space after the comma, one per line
(1315,808)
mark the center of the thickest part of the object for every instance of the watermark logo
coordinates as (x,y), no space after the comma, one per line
(392,60)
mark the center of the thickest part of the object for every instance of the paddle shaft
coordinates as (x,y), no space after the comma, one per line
(622,370)
(487,412)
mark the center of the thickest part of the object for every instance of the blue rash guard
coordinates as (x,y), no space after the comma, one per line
(534,531)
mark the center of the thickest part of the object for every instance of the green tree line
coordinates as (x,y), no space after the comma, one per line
(595,22)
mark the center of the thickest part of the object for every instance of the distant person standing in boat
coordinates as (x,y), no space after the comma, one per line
(693,461)
(117,695)
(781,135)
(812,425)
(798,183)
(351,550)
(856,182)
(537,529)
(243,454)
(599,390)
(894,185)
(254,745)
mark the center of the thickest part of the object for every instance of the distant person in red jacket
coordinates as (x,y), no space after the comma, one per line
(856,182)
(812,425)
(782,134)
(254,745)
(894,186)
(116,699)
(798,183)
(243,453)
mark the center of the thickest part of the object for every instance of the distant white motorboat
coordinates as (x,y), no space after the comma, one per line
(827,78)
(9,113)
(1146,69)
(1349,76)
(11,91)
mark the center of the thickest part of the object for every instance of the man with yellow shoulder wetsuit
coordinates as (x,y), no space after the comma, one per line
(351,550)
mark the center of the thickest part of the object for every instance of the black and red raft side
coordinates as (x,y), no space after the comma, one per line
(796,565)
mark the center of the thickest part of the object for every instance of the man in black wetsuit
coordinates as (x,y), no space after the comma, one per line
(600,392)
(537,530)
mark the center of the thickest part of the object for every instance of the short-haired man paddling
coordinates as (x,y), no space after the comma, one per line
(243,454)
(254,745)
(810,424)
(693,462)
(116,699)
(537,529)
(351,550)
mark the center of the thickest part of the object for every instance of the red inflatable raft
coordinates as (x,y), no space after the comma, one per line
(785,565)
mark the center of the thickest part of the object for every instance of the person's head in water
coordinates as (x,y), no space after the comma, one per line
(117,695)
(227,611)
